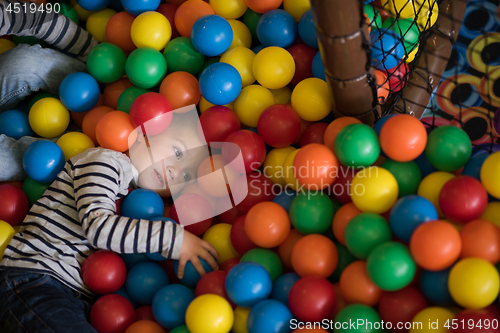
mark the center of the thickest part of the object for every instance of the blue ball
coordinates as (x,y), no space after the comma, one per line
(93,5)
(387,48)
(408,213)
(131,259)
(170,304)
(282,286)
(248,283)
(142,204)
(307,29)
(434,286)
(43,160)
(269,316)
(318,68)
(136,7)
(15,124)
(285,198)
(473,166)
(211,35)
(144,280)
(258,48)
(425,166)
(220,83)
(378,125)
(277,27)
(123,292)
(191,276)
(79,92)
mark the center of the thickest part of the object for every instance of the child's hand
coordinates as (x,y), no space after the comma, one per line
(194,247)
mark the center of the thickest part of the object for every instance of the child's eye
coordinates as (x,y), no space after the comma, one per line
(187,177)
(178,153)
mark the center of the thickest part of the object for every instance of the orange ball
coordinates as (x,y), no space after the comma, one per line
(113,91)
(188,13)
(145,326)
(118,31)
(77,117)
(113,131)
(383,87)
(315,166)
(181,89)
(262,6)
(403,138)
(357,287)
(267,224)
(315,255)
(342,218)
(285,249)
(335,127)
(481,239)
(91,120)
(435,245)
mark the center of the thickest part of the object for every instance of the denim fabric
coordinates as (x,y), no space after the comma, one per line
(31,302)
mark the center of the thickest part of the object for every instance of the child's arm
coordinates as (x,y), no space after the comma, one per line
(52,28)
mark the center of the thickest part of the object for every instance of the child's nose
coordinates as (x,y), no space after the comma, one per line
(172,172)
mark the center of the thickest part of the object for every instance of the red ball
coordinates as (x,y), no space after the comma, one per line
(341,187)
(228,264)
(213,283)
(397,76)
(225,215)
(217,123)
(239,238)
(312,298)
(253,150)
(112,314)
(151,112)
(475,321)
(196,221)
(168,10)
(401,306)
(463,199)
(279,125)
(303,56)
(259,190)
(313,134)
(104,272)
(145,313)
(14,204)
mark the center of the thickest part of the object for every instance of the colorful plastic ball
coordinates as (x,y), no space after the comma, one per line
(448,148)
(94,5)
(168,10)
(251,19)
(311,99)
(427,16)
(241,58)
(151,113)
(279,125)
(127,97)
(188,13)
(267,224)
(311,213)
(182,56)
(356,286)
(263,6)
(191,275)
(211,35)
(477,321)
(248,283)
(144,280)
(365,232)
(307,30)
(151,29)
(34,190)
(490,175)
(342,218)
(492,213)
(118,31)
(136,8)
(141,326)
(145,67)
(269,316)
(390,266)
(15,124)
(48,117)
(74,143)
(401,306)
(357,146)
(220,83)
(181,89)
(481,239)
(273,168)
(314,255)
(104,272)
(407,174)
(318,68)
(96,23)
(261,190)
(43,160)
(277,27)
(229,9)
(79,92)
(398,77)
(253,150)
(115,131)
(209,314)
(473,166)
(170,304)
(251,102)
(282,287)
(403,138)
(14,204)
(387,48)
(239,237)
(463,199)
(435,316)
(474,283)
(217,123)
(6,234)
(91,120)
(356,313)
(219,236)
(142,204)
(314,133)
(106,63)
(274,68)
(315,166)
(334,129)
(213,283)
(296,7)
(303,56)
(434,286)
(431,186)
(267,258)
(406,28)
(112,313)
(286,248)
(312,299)
(6,45)
(112,92)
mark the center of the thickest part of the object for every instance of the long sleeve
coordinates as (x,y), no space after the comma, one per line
(53,28)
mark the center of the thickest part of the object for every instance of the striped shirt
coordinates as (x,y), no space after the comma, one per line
(77,215)
(53,28)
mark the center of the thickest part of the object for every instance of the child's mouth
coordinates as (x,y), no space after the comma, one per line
(158,178)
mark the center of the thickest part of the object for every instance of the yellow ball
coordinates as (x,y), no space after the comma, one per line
(241,58)
(474,283)
(229,9)
(400,8)
(74,143)
(428,15)
(6,234)
(490,175)
(374,190)
(204,105)
(311,99)
(241,34)
(434,316)
(273,164)
(492,213)
(240,320)
(83,14)
(5,45)
(251,102)
(96,23)
(209,313)
(288,170)
(48,117)
(219,236)
(297,7)
(282,96)
(412,54)
(431,186)
(273,67)
(151,29)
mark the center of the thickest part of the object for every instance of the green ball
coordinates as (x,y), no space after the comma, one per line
(251,19)
(39,96)
(390,266)
(69,12)
(365,232)
(207,63)
(407,174)
(106,62)
(345,259)
(127,97)
(311,213)
(182,56)
(267,259)
(448,148)
(146,67)
(180,329)
(406,28)
(353,313)
(357,146)
(372,13)
(34,190)
(28,40)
